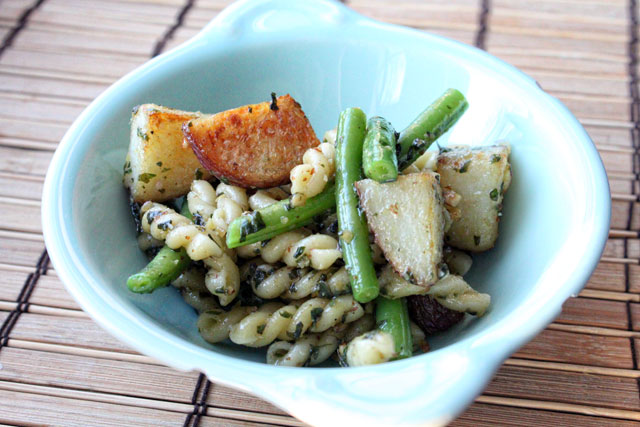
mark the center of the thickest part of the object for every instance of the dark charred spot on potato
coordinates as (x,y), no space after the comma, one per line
(274,102)
(235,120)
(430,315)
(250,109)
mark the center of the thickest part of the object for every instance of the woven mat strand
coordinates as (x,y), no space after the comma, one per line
(58,367)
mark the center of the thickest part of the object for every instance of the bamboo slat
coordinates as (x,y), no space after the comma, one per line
(19,216)
(594,312)
(12,282)
(490,415)
(560,346)
(50,292)
(108,376)
(59,86)
(21,252)
(66,331)
(608,277)
(567,387)
(18,407)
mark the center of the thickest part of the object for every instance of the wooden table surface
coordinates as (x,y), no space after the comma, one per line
(58,367)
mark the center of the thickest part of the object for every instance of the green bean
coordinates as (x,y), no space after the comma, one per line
(164,268)
(353,231)
(429,126)
(278,218)
(379,151)
(392,316)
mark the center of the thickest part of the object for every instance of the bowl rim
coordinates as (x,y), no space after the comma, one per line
(145,337)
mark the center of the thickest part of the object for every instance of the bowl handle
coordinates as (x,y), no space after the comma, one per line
(409,392)
(251,17)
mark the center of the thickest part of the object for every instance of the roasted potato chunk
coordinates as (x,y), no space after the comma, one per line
(480,175)
(159,166)
(254,146)
(407,220)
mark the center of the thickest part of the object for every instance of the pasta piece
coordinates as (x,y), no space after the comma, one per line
(456,294)
(310,178)
(223,278)
(314,349)
(201,301)
(370,348)
(178,231)
(263,198)
(298,249)
(146,241)
(215,325)
(459,262)
(277,321)
(291,283)
(217,209)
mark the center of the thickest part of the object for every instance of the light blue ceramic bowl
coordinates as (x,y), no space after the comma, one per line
(555,223)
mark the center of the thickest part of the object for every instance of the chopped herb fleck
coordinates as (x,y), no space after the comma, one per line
(465,167)
(298,331)
(260,329)
(299,252)
(159,163)
(251,223)
(495,158)
(224,180)
(285,314)
(166,169)
(146,177)
(316,313)
(141,134)
(280,353)
(494,194)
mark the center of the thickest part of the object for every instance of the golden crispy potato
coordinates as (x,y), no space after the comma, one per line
(254,146)
(159,166)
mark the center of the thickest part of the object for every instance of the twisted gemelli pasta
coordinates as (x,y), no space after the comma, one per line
(314,349)
(178,231)
(289,283)
(297,249)
(215,325)
(146,241)
(310,178)
(217,208)
(263,198)
(276,321)
(200,300)
(369,349)
(223,278)
(456,294)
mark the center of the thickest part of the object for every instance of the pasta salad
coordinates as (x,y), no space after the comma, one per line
(354,248)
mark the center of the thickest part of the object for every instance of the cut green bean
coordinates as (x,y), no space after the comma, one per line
(164,268)
(392,316)
(379,152)
(353,231)
(278,218)
(429,126)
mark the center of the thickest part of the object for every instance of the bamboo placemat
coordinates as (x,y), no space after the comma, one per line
(58,367)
